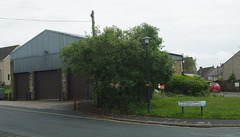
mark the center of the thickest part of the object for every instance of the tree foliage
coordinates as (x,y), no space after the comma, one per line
(114,62)
(232,77)
(189,65)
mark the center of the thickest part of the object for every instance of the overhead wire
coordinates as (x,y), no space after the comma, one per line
(39,8)
(41,20)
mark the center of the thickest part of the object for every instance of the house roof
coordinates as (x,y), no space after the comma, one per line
(204,71)
(217,71)
(232,57)
(4,52)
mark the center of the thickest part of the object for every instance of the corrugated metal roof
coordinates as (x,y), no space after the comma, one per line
(42,51)
(74,36)
(66,33)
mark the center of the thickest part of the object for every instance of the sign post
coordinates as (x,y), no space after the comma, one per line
(236,84)
(162,87)
(192,104)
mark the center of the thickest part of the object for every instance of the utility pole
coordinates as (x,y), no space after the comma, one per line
(147,39)
(93,24)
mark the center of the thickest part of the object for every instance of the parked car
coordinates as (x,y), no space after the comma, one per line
(214,87)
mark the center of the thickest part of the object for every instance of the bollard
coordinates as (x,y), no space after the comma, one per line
(74,103)
(10,97)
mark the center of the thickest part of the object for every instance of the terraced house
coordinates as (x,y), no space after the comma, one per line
(232,66)
(5,64)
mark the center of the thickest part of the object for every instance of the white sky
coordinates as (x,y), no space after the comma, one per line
(207,30)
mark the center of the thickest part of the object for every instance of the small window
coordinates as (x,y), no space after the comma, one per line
(8,76)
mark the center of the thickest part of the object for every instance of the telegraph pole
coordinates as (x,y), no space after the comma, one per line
(147,39)
(93,24)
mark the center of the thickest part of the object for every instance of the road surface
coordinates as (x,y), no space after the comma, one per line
(56,123)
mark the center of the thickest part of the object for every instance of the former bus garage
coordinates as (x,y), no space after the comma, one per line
(36,73)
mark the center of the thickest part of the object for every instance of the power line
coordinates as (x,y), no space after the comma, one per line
(39,8)
(40,20)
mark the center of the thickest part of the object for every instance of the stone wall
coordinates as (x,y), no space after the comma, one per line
(229,87)
(64,84)
(177,67)
(12,81)
(32,85)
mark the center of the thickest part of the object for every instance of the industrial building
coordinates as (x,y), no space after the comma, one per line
(36,73)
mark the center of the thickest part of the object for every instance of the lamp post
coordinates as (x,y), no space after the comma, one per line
(146,40)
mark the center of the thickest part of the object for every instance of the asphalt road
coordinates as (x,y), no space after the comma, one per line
(231,94)
(56,123)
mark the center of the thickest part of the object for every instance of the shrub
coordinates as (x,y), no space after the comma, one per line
(187,85)
(232,77)
(114,64)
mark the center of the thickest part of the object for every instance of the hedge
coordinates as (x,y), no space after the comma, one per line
(188,85)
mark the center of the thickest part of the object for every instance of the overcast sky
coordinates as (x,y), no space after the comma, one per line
(207,30)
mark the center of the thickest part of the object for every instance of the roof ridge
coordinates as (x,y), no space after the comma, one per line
(9,46)
(5,51)
(67,33)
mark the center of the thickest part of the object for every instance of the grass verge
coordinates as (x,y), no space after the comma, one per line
(217,108)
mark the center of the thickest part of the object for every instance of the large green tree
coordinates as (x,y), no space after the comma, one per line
(189,65)
(114,62)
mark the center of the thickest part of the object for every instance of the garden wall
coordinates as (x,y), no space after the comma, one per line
(230,87)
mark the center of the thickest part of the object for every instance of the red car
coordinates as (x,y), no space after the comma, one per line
(214,87)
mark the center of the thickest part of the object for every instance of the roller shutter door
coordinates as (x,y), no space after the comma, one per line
(48,84)
(78,88)
(21,85)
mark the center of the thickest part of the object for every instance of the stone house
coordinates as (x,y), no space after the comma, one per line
(5,64)
(204,72)
(178,63)
(232,66)
(215,74)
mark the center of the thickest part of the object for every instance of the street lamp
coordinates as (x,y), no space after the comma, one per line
(146,40)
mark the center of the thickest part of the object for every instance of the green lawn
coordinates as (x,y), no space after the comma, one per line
(217,108)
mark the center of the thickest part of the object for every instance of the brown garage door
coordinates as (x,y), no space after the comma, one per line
(78,88)
(21,85)
(48,84)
